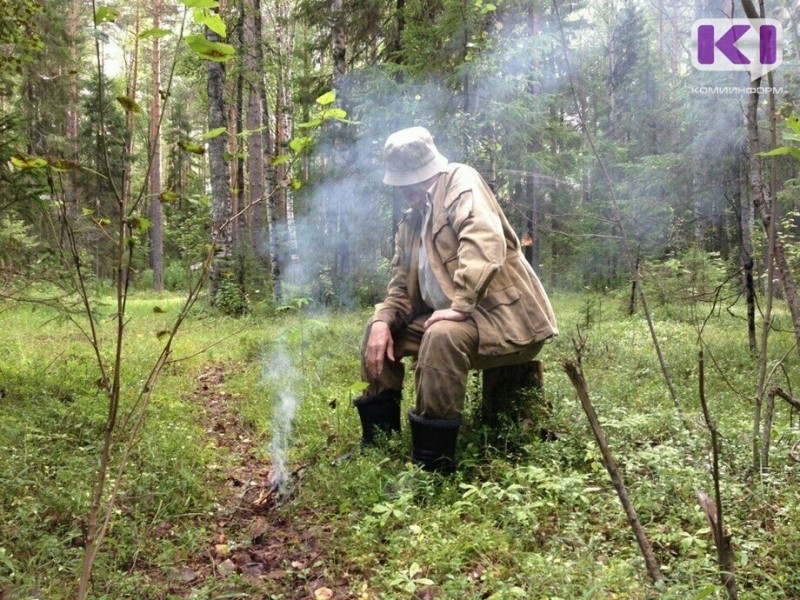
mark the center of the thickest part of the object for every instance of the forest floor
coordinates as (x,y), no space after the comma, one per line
(251,537)
(197,517)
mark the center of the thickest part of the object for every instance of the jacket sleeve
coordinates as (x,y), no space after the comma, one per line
(396,306)
(481,247)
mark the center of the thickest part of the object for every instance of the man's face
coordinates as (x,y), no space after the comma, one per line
(416,194)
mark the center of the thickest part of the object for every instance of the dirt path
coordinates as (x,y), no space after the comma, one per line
(273,553)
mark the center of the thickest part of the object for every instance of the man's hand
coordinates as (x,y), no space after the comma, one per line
(380,345)
(447,314)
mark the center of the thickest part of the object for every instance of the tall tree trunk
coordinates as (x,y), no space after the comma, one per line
(219,174)
(254,64)
(746,228)
(130,91)
(395,45)
(74,98)
(156,216)
(760,197)
(766,206)
(343,267)
(242,206)
(267,233)
(284,38)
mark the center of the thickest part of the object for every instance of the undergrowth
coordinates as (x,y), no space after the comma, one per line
(521,518)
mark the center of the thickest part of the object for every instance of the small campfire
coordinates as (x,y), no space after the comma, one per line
(271,491)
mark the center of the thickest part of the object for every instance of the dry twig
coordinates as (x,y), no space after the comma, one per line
(575,374)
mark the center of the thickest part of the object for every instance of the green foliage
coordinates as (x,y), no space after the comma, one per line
(16,243)
(539,523)
(20,38)
(49,440)
(793,134)
(231,298)
(690,277)
(207,50)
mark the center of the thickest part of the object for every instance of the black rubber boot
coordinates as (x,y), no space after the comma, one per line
(378,413)
(433,443)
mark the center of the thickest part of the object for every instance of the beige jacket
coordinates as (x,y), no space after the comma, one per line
(476,258)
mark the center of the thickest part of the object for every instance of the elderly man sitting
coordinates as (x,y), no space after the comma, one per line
(462,296)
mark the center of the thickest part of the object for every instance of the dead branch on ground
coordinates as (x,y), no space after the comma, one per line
(712,509)
(575,373)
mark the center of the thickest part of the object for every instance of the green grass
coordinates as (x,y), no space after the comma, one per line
(526,519)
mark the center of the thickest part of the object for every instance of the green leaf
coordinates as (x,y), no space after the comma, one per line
(793,123)
(213,21)
(62,164)
(309,124)
(5,560)
(296,184)
(335,113)
(782,150)
(140,224)
(248,132)
(210,135)
(28,162)
(105,14)
(168,196)
(299,143)
(706,592)
(791,136)
(206,50)
(129,104)
(192,147)
(281,159)
(200,3)
(156,32)
(85,211)
(357,387)
(327,98)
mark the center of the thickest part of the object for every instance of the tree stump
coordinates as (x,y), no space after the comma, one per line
(513,394)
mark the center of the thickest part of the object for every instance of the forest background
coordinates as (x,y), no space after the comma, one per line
(156,154)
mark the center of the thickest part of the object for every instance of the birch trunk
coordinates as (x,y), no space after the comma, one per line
(762,202)
(219,172)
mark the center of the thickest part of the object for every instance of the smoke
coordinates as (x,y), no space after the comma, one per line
(281,377)
(509,111)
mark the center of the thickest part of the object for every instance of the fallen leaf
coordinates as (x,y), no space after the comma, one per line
(221,550)
(323,593)
(253,570)
(276,574)
(258,528)
(226,568)
(296,564)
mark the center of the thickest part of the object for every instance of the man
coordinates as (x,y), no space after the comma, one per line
(462,296)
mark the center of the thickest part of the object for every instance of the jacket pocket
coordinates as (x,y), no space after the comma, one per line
(508,295)
(503,323)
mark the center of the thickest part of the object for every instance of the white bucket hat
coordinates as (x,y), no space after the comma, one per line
(411,157)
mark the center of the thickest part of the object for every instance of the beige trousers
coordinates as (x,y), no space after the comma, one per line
(444,355)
